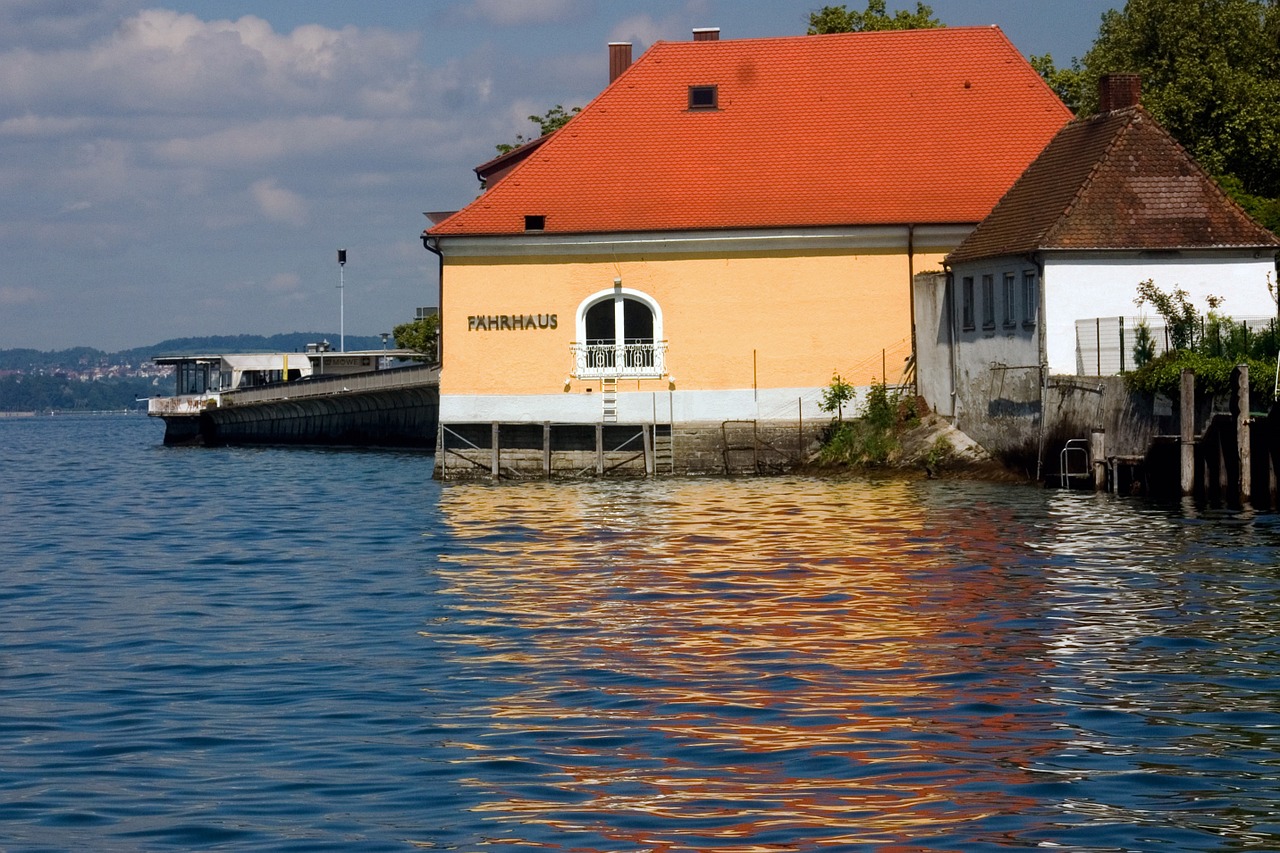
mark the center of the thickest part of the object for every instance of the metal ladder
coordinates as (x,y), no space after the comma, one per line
(664,457)
(609,399)
(1076,448)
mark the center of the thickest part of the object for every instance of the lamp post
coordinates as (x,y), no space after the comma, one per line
(342,307)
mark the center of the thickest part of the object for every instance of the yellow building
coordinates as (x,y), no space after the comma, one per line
(726,225)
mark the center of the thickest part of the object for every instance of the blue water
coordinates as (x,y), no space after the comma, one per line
(290,649)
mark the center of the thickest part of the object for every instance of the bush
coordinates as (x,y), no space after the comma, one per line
(1163,375)
(872,438)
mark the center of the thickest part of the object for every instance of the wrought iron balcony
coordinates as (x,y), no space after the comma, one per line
(646,360)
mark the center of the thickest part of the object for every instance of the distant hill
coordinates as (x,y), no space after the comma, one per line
(87,379)
(26,360)
(215,344)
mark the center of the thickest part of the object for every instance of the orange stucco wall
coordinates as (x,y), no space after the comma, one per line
(765,320)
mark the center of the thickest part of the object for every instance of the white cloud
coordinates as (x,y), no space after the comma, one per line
(279,204)
(284,283)
(11,296)
(517,13)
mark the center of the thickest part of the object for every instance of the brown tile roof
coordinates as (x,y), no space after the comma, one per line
(1115,181)
(919,126)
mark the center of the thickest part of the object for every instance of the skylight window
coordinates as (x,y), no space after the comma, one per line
(535,223)
(704,98)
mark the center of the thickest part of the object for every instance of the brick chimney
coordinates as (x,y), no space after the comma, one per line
(619,58)
(706,34)
(1118,92)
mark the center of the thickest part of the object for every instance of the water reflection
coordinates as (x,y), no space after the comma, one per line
(734,666)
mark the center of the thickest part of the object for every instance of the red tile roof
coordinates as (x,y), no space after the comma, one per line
(916,126)
(1114,181)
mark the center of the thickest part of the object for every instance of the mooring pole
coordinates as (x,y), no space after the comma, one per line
(1243,450)
(1187,437)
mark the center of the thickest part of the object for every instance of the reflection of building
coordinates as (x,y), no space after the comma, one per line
(725,225)
(1048,279)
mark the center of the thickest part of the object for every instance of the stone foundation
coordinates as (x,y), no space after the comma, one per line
(550,451)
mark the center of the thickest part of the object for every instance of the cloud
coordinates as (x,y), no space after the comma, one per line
(12,296)
(284,284)
(504,13)
(279,204)
(136,146)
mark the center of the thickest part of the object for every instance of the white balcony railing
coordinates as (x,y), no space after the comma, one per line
(633,361)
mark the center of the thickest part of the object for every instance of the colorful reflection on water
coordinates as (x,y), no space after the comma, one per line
(800,664)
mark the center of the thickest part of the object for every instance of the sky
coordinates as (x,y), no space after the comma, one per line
(191,167)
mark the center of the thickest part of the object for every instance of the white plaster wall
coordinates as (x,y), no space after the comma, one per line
(776,404)
(1077,289)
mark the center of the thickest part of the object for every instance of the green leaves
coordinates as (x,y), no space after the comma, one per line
(418,334)
(838,19)
(1208,76)
(554,119)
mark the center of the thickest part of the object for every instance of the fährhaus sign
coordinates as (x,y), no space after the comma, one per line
(510,322)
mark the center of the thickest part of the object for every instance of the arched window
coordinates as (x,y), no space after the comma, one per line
(619,334)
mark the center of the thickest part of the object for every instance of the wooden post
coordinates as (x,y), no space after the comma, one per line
(599,449)
(646,432)
(1098,453)
(1240,400)
(546,449)
(800,431)
(495,458)
(1187,416)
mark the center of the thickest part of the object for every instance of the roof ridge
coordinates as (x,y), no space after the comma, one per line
(671,168)
(1082,191)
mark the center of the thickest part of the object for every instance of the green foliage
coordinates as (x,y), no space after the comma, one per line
(1208,75)
(835,395)
(838,19)
(554,119)
(420,334)
(1144,345)
(1211,345)
(882,407)
(870,439)
(940,453)
(1180,316)
(1265,210)
(1163,375)
(1066,83)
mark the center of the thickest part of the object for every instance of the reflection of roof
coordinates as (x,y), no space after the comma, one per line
(1116,180)
(916,126)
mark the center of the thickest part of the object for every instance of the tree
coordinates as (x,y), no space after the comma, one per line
(1208,76)
(419,335)
(1066,83)
(835,395)
(554,119)
(838,19)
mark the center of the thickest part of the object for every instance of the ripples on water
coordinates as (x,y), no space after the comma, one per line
(302,650)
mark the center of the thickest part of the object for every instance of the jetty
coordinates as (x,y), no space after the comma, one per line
(373,398)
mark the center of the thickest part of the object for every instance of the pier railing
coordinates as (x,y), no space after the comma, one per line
(382,380)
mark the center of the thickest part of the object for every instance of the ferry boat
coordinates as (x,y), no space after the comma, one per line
(366,397)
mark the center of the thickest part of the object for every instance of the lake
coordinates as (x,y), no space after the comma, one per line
(293,649)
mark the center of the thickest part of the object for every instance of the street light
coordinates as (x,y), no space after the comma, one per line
(342,307)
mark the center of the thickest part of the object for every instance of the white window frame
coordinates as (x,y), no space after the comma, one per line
(650,367)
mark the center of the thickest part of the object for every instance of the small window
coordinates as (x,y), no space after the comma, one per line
(1030,296)
(988,302)
(967,296)
(535,223)
(1010,294)
(704,98)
